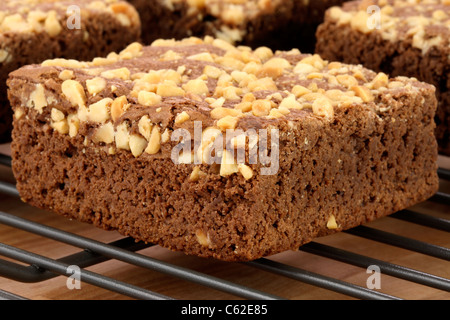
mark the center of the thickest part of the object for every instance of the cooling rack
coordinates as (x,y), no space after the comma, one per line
(22,266)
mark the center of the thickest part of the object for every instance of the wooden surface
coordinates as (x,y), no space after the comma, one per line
(56,289)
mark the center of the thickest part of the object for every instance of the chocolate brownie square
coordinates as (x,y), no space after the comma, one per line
(221,151)
(406,38)
(33,31)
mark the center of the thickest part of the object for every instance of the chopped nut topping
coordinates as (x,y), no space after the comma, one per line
(104,134)
(246,171)
(122,136)
(228,165)
(261,107)
(95,85)
(57,115)
(137,145)
(220,112)
(323,107)
(196,174)
(149,98)
(38,99)
(74,92)
(364,93)
(124,103)
(400,20)
(99,111)
(196,86)
(145,127)
(74,124)
(154,143)
(60,126)
(122,73)
(331,223)
(227,122)
(52,25)
(182,117)
(66,75)
(203,238)
(118,107)
(169,89)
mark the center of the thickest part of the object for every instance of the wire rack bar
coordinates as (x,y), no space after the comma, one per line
(9,189)
(5,160)
(402,242)
(5,295)
(385,267)
(441,197)
(85,276)
(444,173)
(133,258)
(319,280)
(83,259)
(423,219)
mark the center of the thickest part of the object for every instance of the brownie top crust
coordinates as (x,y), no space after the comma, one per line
(52,17)
(425,23)
(134,99)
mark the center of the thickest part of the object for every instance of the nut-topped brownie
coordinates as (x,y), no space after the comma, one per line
(221,151)
(408,38)
(279,24)
(32,31)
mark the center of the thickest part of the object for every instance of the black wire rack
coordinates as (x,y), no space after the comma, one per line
(28,267)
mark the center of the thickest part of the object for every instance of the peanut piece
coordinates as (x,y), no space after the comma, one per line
(137,145)
(122,136)
(182,117)
(196,86)
(331,223)
(118,107)
(74,124)
(246,171)
(95,85)
(145,127)
(323,107)
(227,122)
(228,165)
(105,133)
(149,98)
(154,143)
(74,92)
(52,25)
(99,111)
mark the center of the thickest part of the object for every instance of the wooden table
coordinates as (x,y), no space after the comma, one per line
(242,274)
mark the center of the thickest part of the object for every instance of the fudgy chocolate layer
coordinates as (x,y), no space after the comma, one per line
(358,167)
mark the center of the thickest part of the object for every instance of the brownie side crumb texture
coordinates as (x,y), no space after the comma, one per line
(280,25)
(336,171)
(343,42)
(104,29)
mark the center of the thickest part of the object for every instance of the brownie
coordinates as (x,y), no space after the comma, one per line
(412,40)
(33,31)
(221,151)
(279,24)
